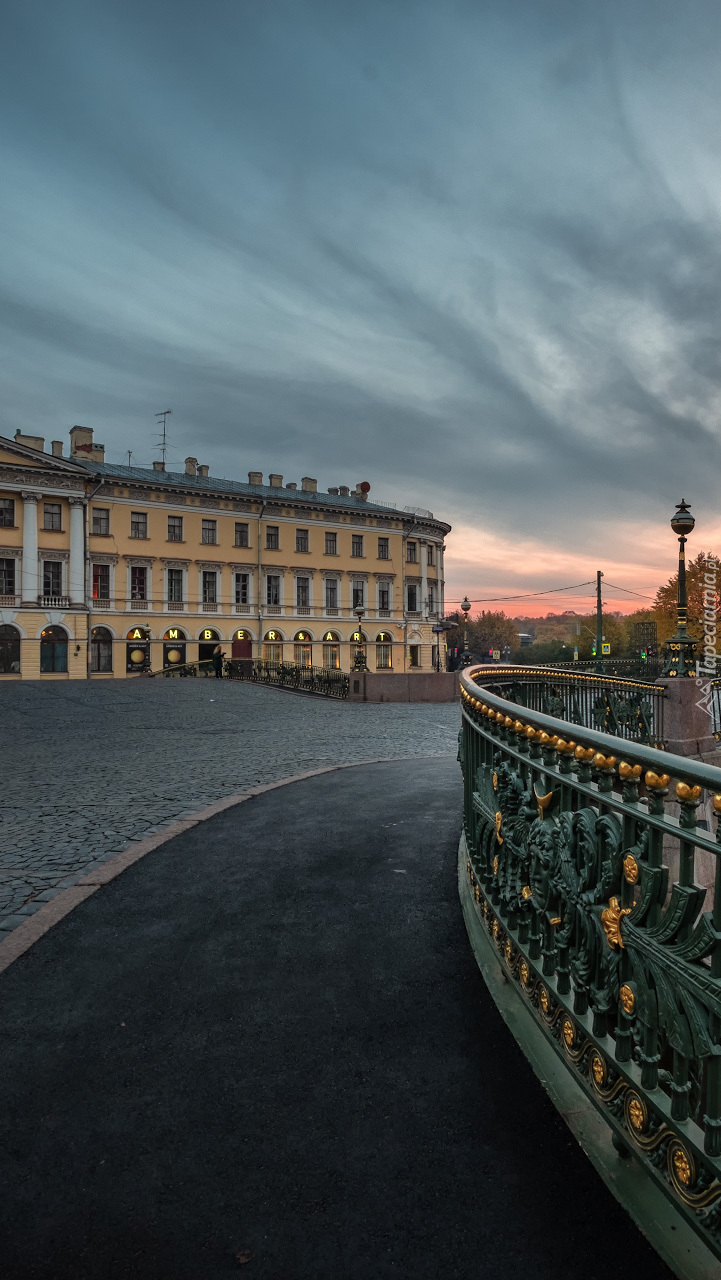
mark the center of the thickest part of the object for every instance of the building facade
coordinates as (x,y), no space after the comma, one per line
(108,571)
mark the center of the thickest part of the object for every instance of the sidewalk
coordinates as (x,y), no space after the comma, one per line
(269,1037)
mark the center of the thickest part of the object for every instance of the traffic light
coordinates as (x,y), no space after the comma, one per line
(593,649)
(644,655)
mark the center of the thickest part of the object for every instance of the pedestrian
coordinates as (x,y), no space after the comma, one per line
(218,656)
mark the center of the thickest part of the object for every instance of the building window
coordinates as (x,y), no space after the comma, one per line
(52,512)
(272,538)
(9,651)
(431,553)
(384,549)
(384,651)
(384,596)
(101,649)
(138,582)
(101,521)
(302,592)
(431,600)
(331,656)
(359,594)
(209,533)
(272,589)
(7,513)
(414,655)
(272,647)
(412,552)
(175,586)
(138,524)
(331,544)
(52,578)
(357,544)
(101,582)
(175,528)
(241,534)
(301,540)
(54,649)
(210,586)
(331,593)
(412,599)
(242,593)
(7,577)
(302,655)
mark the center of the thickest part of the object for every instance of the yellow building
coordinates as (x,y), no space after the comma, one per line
(108,570)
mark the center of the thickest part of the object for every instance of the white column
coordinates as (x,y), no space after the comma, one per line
(30,549)
(441,584)
(76,577)
(424,579)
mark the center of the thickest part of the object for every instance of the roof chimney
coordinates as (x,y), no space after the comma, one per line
(255,477)
(343,490)
(82,446)
(275,481)
(308,484)
(158,466)
(30,442)
(203,471)
(334,492)
(191,466)
(291,485)
(57,448)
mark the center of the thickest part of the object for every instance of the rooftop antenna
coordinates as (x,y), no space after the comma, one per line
(163,442)
(130,454)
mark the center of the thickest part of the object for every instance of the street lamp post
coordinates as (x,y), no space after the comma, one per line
(465,658)
(359,662)
(681,648)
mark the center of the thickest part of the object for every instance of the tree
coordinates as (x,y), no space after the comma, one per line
(490,630)
(667,596)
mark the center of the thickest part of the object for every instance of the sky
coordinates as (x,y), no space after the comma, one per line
(468,251)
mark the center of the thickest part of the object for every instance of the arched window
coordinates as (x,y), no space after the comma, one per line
(384,651)
(302,649)
(209,638)
(54,649)
(9,651)
(101,649)
(331,650)
(272,646)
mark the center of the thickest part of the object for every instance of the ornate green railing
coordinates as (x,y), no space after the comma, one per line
(326,681)
(631,709)
(589,866)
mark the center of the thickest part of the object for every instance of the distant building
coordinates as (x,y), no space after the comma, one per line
(524,638)
(107,570)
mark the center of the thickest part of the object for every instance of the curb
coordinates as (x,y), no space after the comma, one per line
(38,924)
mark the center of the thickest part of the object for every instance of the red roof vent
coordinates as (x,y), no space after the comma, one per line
(364,487)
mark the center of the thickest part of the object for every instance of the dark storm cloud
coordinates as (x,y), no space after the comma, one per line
(470,252)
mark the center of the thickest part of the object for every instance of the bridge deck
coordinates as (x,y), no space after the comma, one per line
(271,1036)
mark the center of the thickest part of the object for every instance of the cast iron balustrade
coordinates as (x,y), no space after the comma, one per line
(631,709)
(591,877)
(325,681)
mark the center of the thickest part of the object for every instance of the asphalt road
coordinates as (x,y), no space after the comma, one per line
(266,1048)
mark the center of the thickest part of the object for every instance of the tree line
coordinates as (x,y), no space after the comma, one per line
(554,637)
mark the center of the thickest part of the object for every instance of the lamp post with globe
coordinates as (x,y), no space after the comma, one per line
(681,648)
(465,658)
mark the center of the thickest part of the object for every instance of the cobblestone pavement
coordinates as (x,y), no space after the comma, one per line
(89,768)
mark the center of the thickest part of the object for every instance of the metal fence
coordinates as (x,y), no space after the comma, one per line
(630,709)
(590,873)
(326,681)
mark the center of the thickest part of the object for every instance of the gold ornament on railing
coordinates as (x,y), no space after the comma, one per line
(687,794)
(611,918)
(656,782)
(629,771)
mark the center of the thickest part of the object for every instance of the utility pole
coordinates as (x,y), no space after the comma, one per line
(599,622)
(163,442)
